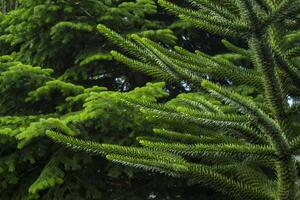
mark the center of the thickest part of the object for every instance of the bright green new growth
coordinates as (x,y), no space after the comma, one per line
(63,93)
(24,121)
(239,138)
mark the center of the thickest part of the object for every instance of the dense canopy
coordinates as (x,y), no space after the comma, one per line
(149,99)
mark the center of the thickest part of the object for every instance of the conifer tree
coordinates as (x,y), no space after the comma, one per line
(40,32)
(32,102)
(65,92)
(238,135)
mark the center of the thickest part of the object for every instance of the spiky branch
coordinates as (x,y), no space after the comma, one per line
(251,133)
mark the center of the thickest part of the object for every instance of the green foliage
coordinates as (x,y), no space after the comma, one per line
(68,92)
(62,35)
(13,76)
(7,5)
(242,143)
(34,168)
(49,177)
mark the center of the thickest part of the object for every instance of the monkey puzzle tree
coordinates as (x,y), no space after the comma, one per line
(64,91)
(243,144)
(33,101)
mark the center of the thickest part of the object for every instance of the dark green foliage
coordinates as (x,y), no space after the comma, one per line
(13,76)
(62,35)
(8,5)
(238,136)
(30,166)
(66,93)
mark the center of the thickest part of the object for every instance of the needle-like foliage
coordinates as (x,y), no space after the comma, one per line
(55,70)
(241,144)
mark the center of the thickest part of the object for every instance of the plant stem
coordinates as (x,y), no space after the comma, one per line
(285,167)
(264,61)
(286,175)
